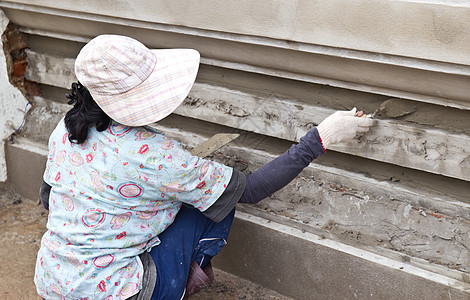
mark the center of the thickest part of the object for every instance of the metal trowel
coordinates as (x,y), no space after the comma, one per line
(213,144)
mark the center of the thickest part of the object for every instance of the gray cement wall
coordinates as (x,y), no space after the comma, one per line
(380,26)
(391,205)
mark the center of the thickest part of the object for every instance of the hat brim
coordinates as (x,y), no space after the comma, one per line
(160,94)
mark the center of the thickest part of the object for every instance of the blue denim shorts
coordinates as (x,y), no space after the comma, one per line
(191,237)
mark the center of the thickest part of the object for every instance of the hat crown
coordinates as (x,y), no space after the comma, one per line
(132,84)
(110,64)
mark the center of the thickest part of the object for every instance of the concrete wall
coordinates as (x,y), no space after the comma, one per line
(271,70)
(432,30)
(377,46)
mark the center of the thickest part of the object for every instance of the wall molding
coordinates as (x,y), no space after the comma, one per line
(428,81)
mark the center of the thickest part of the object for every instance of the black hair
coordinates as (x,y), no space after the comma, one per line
(84,114)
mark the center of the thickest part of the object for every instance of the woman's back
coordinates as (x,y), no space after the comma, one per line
(110,198)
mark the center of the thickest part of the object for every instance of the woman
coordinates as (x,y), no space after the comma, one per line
(131,213)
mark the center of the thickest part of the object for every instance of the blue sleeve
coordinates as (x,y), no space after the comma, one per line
(279,172)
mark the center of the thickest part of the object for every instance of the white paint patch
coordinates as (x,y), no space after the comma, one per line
(13,105)
(406,212)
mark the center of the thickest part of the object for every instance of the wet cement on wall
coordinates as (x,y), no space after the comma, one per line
(447,118)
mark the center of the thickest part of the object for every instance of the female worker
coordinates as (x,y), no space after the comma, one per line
(131,213)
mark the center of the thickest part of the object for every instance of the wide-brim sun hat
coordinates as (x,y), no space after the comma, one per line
(135,85)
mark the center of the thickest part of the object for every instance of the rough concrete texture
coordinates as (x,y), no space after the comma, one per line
(13,105)
(47,68)
(375,221)
(455,120)
(369,217)
(43,118)
(392,141)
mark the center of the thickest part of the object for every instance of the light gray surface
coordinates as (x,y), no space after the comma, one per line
(380,70)
(301,269)
(26,163)
(411,28)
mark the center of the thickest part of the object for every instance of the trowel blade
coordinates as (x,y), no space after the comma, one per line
(213,144)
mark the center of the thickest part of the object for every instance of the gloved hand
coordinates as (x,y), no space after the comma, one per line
(342,126)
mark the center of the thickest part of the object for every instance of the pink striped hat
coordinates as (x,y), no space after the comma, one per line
(132,84)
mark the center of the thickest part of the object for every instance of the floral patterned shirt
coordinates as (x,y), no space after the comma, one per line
(110,198)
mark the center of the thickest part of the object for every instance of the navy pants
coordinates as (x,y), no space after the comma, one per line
(191,237)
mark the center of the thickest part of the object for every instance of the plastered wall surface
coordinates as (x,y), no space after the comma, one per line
(436,30)
(13,105)
(229,39)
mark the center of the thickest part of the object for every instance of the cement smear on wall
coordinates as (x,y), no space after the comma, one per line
(452,119)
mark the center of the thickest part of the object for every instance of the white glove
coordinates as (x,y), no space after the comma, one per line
(342,126)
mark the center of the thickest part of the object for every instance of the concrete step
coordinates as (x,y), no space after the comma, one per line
(304,265)
(26,161)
